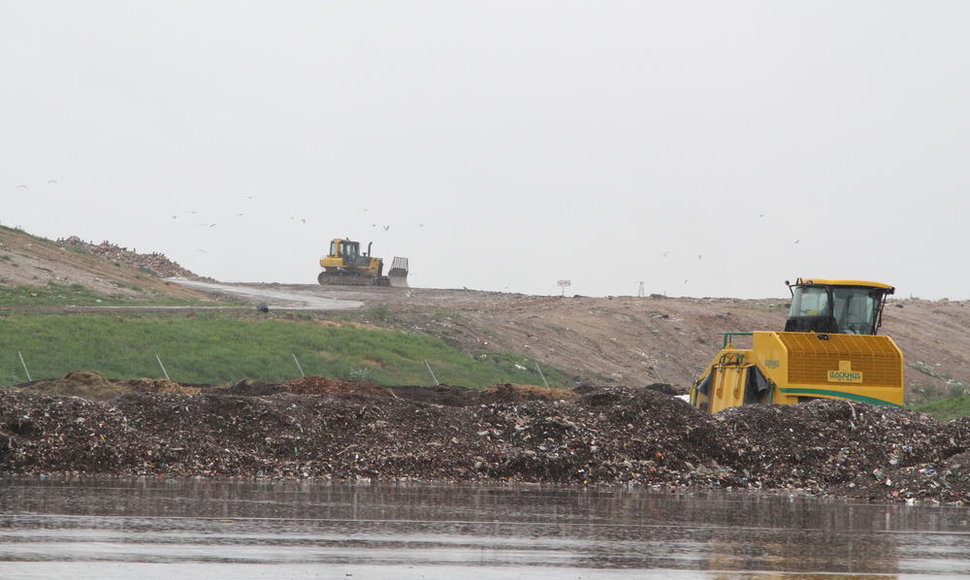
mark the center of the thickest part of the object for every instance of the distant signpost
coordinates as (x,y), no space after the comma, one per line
(563,283)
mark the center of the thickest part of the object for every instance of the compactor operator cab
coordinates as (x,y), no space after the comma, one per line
(836,306)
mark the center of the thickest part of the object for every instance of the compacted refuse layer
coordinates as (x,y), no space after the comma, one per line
(324,428)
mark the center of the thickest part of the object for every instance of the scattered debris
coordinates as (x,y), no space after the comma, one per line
(325,428)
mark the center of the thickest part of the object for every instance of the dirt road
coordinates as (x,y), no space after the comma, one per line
(285,298)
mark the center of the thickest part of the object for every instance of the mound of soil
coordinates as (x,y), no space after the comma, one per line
(325,386)
(95,386)
(628,436)
(509,393)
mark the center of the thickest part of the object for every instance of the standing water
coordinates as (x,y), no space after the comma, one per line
(180,529)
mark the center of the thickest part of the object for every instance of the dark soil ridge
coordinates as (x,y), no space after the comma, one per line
(599,436)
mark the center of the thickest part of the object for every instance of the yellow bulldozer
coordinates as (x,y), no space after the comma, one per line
(345,265)
(829,349)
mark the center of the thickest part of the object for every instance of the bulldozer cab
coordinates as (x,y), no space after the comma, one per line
(345,249)
(836,306)
(345,253)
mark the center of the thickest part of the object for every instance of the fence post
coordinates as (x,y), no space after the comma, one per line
(302,374)
(541,375)
(434,378)
(164,372)
(29,380)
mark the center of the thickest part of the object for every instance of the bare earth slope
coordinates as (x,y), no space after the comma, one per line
(26,260)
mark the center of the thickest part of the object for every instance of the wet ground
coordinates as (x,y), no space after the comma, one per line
(105,528)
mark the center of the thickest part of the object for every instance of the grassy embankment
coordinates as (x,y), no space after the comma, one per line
(951,407)
(80,295)
(222,348)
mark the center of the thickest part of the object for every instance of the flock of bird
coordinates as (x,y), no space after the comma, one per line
(208,221)
(26,187)
(380,227)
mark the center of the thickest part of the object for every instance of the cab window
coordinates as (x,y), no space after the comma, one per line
(855,310)
(809,301)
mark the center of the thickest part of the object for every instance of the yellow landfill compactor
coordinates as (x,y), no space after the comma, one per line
(346,265)
(829,350)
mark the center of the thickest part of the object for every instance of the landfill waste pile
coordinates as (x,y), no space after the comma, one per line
(330,429)
(154,263)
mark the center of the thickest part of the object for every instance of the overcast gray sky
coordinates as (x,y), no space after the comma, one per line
(705,148)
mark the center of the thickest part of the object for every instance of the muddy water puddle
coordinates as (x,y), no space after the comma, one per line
(177,529)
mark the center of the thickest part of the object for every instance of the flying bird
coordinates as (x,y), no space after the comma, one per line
(22,186)
(51,181)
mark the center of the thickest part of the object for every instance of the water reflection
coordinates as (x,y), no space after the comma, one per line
(188,526)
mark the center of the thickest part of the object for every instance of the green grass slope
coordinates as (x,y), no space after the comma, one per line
(945,409)
(222,348)
(52,294)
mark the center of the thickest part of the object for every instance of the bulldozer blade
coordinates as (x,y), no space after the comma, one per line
(398,274)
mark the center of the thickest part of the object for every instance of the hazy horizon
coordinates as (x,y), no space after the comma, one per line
(703,148)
